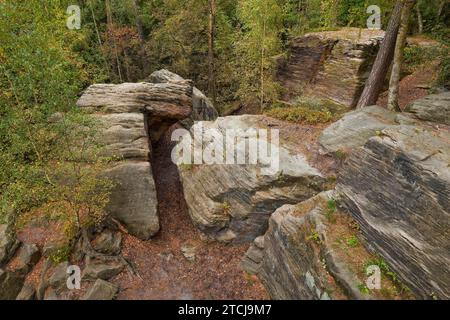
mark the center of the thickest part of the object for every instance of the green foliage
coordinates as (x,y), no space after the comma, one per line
(363,288)
(331,210)
(49,159)
(352,241)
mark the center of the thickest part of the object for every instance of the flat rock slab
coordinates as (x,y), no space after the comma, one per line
(435,108)
(397,187)
(202,107)
(102,268)
(355,128)
(232,202)
(101,290)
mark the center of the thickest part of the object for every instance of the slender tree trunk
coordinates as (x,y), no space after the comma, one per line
(398,56)
(441,9)
(109,21)
(138,22)
(419,18)
(374,83)
(211,65)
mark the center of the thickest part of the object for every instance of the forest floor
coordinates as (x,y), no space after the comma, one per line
(165,271)
(414,86)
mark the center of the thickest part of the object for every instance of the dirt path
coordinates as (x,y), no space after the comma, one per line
(165,272)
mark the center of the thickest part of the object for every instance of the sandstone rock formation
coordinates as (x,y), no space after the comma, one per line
(10,284)
(202,108)
(101,290)
(332,65)
(303,255)
(232,202)
(8,243)
(355,128)
(397,187)
(131,117)
(435,108)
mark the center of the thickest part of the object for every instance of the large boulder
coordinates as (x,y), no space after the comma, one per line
(202,108)
(332,65)
(163,104)
(133,199)
(397,187)
(232,202)
(435,108)
(132,116)
(356,127)
(305,254)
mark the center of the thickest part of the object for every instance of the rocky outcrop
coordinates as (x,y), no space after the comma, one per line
(232,202)
(101,290)
(8,243)
(355,128)
(303,255)
(202,108)
(397,188)
(133,200)
(10,284)
(435,108)
(332,65)
(132,116)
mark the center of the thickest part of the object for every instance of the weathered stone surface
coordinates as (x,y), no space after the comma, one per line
(58,279)
(108,242)
(162,103)
(296,258)
(10,284)
(8,243)
(131,116)
(202,108)
(29,255)
(397,187)
(28,292)
(133,200)
(101,290)
(232,203)
(123,135)
(102,268)
(435,108)
(356,127)
(332,65)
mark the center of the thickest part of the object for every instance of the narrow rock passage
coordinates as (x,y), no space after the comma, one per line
(166,273)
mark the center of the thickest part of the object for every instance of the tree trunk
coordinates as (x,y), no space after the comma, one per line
(374,83)
(109,21)
(398,56)
(211,66)
(138,22)
(419,18)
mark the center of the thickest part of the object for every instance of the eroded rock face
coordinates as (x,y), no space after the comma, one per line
(10,284)
(132,116)
(397,187)
(101,290)
(335,64)
(8,243)
(297,258)
(435,108)
(202,108)
(355,128)
(233,202)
